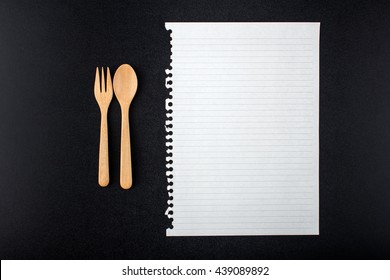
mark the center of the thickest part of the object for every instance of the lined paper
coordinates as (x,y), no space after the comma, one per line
(243,128)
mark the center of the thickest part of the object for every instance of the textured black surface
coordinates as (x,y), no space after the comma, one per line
(50,203)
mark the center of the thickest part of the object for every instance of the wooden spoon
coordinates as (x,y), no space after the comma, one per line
(125,86)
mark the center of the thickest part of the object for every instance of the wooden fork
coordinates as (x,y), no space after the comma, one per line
(103,95)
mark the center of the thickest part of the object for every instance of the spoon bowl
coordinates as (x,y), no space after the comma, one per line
(125,84)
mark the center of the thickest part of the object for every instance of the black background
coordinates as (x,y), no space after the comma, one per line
(50,203)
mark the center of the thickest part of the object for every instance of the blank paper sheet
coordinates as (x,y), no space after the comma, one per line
(243,129)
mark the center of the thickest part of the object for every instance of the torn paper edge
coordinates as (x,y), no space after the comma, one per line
(169,138)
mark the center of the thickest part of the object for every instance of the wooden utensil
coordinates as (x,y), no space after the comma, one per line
(125,86)
(103,95)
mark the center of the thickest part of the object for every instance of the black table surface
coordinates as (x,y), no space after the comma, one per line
(50,204)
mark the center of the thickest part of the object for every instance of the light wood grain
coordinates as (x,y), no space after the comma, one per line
(103,95)
(125,87)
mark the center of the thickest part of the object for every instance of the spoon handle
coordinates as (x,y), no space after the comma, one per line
(104,177)
(126,179)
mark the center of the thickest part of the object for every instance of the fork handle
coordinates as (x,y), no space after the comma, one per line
(126,178)
(104,177)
